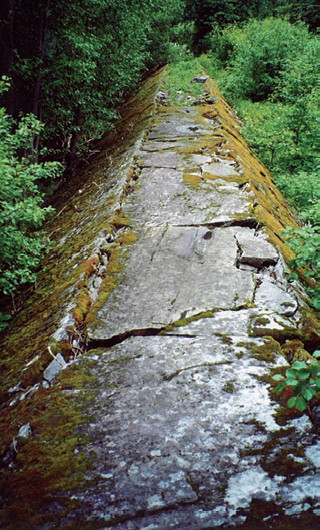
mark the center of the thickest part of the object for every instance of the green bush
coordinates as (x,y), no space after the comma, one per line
(266,128)
(258,52)
(21,214)
(302,190)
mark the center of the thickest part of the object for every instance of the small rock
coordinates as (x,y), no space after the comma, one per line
(199,79)
(211,100)
(16,388)
(29,393)
(10,453)
(24,431)
(54,368)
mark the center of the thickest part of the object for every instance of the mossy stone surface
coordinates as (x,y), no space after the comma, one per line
(168,255)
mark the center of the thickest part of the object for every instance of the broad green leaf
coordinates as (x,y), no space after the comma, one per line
(292,382)
(301,404)
(292,402)
(316,353)
(291,374)
(307,394)
(303,374)
(314,368)
(277,377)
(298,365)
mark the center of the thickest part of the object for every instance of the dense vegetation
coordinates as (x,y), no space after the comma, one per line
(267,69)
(68,64)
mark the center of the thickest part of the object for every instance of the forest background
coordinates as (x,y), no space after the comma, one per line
(66,66)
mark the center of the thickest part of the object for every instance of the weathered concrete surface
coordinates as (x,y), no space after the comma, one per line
(173,273)
(187,312)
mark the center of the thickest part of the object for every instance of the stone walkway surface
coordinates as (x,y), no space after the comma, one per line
(189,320)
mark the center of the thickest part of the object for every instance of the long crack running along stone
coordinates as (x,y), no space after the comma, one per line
(170,265)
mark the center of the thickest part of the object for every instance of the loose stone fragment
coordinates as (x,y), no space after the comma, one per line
(54,368)
(254,249)
(24,431)
(200,79)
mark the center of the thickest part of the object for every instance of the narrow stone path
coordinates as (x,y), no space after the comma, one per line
(184,434)
(188,322)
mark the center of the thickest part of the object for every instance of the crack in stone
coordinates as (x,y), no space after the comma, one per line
(169,377)
(117,339)
(93,343)
(161,238)
(250,222)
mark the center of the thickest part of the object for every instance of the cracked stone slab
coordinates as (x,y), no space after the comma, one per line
(182,413)
(154,145)
(180,126)
(163,196)
(227,323)
(171,159)
(165,160)
(220,169)
(172,272)
(255,250)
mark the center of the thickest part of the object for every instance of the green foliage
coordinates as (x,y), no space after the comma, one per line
(4,320)
(267,130)
(258,52)
(302,190)
(268,70)
(304,379)
(209,13)
(305,242)
(183,33)
(178,53)
(165,26)
(284,138)
(20,200)
(179,81)
(96,52)
(308,11)
(78,60)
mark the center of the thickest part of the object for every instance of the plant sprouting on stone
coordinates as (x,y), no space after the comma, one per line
(304,379)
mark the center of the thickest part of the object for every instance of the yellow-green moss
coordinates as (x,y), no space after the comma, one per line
(127,238)
(310,328)
(192,179)
(109,283)
(51,461)
(267,351)
(83,304)
(185,321)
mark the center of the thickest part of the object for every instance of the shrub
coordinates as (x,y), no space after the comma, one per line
(258,53)
(21,214)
